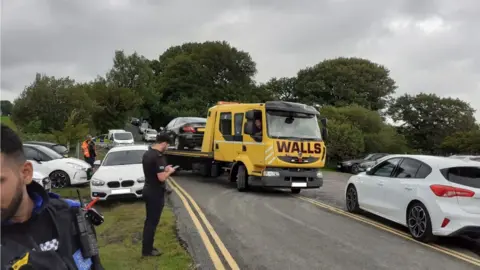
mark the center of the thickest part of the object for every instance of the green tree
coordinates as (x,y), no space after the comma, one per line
(73,130)
(114,105)
(6,107)
(344,81)
(345,141)
(428,119)
(280,89)
(49,101)
(194,76)
(377,136)
(464,142)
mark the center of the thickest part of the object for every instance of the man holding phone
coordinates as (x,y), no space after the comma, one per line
(156,173)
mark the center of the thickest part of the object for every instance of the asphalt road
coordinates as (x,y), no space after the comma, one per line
(274,230)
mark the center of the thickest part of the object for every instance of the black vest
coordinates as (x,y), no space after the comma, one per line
(16,246)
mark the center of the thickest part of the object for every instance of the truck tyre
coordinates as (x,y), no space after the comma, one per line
(295,190)
(242,178)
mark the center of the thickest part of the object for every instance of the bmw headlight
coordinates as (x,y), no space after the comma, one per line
(319,174)
(271,173)
(76,166)
(97,182)
(141,180)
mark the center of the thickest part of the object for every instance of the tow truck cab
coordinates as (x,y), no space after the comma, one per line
(273,144)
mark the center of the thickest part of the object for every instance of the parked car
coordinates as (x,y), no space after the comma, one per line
(359,165)
(135,121)
(59,148)
(150,135)
(101,140)
(120,174)
(43,180)
(121,138)
(431,196)
(143,126)
(62,171)
(186,131)
(472,158)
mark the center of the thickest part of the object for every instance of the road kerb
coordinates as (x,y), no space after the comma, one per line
(217,262)
(221,246)
(383,227)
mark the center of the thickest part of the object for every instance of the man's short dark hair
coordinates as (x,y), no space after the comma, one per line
(162,137)
(11,144)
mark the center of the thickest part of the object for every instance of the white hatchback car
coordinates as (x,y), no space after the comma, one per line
(431,196)
(150,135)
(120,174)
(62,171)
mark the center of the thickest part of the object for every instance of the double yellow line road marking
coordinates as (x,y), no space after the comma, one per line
(383,227)
(187,200)
(199,218)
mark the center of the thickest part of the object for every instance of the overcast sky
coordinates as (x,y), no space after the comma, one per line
(429,45)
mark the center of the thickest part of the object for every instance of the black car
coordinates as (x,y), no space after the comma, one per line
(358,165)
(186,131)
(135,121)
(59,148)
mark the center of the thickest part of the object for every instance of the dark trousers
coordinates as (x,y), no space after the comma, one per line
(89,160)
(154,202)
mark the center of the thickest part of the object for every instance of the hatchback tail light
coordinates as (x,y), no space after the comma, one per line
(449,191)
(188,129)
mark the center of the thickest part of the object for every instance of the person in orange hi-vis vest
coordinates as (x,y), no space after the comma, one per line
(89,152)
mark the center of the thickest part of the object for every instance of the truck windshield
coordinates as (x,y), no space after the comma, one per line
(288,125)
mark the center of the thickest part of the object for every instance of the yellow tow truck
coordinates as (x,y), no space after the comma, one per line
(273,144)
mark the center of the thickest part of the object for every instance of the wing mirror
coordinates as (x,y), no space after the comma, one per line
(97,163)
(161,129)
(38,160)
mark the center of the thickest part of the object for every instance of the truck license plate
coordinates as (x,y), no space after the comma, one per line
(299,184)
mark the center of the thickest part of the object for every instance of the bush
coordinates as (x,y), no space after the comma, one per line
(344,141)
(44,137)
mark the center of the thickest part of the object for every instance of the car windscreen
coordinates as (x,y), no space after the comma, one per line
(49,152)
(60,149)
(467,176)
(285,125)
(123,136)
(127,157)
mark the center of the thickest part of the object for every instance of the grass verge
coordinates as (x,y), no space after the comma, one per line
(120,237)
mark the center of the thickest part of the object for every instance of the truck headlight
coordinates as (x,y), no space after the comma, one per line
(97,182)
(319,174)
(141,180)
(271,173)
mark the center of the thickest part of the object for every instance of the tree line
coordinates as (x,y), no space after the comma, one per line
(356,95)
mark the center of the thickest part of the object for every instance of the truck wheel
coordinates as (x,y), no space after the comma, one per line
(242,178)
(295,190)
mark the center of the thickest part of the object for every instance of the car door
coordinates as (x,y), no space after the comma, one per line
(401,189)
(371,187)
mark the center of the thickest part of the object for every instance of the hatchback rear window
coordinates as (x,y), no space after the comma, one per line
(467,176)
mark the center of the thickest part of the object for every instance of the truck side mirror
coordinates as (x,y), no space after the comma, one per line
(250,115)
(324,133)
(324,121)
(248,127)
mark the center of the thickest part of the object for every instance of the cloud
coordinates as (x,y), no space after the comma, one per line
(429,45)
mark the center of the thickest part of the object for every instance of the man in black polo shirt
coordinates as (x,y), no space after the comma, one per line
(156,173)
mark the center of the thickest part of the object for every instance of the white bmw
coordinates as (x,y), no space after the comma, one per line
(62,171)
(431,196)
(120,174)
